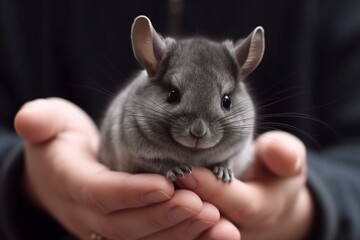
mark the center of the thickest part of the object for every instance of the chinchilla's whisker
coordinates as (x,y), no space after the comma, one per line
(117,70)
(160,107)
(300,116)
(296,129)
(97,88)
(278,83)
(260,107)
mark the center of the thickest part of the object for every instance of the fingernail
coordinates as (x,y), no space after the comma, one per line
(179,214)
(197,227)
(297,164)
(189,182)
(155,197)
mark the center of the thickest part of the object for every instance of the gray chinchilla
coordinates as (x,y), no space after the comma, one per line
(189,107)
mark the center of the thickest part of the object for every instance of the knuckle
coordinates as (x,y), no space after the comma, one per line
(112,232)
(155,223)
(89,199)
(125,201)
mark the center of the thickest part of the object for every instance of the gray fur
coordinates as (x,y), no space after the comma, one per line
(142,132)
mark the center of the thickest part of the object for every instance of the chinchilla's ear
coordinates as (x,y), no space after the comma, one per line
(250,51)
(148,46)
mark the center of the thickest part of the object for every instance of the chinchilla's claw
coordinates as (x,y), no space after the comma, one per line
(178,172)
(223,173)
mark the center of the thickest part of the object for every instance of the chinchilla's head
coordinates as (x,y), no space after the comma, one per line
(194,97)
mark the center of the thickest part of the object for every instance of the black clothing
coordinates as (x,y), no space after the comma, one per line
(308,84)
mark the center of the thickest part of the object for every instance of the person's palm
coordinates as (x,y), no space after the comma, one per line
(64,178)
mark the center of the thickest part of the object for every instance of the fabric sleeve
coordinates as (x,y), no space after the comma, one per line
(334,168)
(19,217)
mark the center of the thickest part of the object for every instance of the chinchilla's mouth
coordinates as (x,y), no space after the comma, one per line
(197,143)
(197,138)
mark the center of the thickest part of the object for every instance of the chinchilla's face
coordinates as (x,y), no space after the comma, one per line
(197,101)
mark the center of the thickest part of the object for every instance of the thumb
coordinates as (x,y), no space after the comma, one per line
(282,153)
(37,121)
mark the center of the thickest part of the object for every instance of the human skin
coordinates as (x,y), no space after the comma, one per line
(63,177)
(86,197)
(274,202)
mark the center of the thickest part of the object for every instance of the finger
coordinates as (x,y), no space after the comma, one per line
(194,223)
(237,201)
(42,119)
(37,121)
(191,228)
(223,230)
(245,204)
(282,153)
(110,191)
(140,222)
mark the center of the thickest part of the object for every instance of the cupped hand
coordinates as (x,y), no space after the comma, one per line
(63,176)
(274,202)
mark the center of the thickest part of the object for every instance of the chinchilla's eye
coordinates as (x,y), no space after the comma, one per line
(173,96)
(226,101)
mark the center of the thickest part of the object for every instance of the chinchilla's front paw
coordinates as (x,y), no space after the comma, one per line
(178,172)
(223,172)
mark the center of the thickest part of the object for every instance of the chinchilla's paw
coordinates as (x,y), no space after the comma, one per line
(178,172)
(223,173)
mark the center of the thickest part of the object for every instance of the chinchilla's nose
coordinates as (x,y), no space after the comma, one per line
(198,129)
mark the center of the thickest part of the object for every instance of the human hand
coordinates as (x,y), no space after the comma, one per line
(274,203)
(63,176)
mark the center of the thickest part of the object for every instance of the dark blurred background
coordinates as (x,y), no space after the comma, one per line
(81,50)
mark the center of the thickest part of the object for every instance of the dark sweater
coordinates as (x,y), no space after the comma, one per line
(308,84)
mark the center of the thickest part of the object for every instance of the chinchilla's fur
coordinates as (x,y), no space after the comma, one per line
(189,107)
